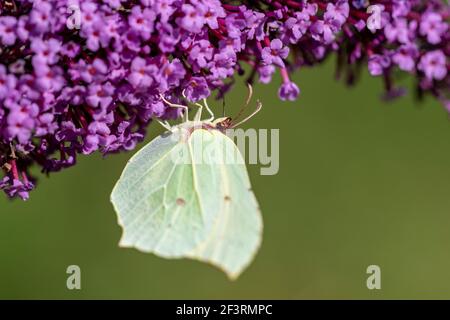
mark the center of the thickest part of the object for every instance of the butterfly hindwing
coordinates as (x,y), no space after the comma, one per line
(237,232)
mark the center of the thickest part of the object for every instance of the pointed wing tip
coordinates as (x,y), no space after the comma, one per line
(233,276)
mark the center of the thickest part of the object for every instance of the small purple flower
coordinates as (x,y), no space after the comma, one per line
(197,89)
(201,53)
(165,9)
(142,73)
(142,21)
(7,82)
(171,74)
(93,35)
(434,65)
(265,73)
(49,78)
(338,11)
(7,30)
(19,125)
(40,16)
(288,91)
(378,64)
(223,64)
(45,125)
(132,42)
(254,23)
(295,28)
(22,28)
(100,95)
(236,24)
(110,31)
(15,187)
(168,37)
(70,49)
(275,53)
(89,14)
(405,57)
(335,16)
(98,135)
(212,12)
(194,17)
(93,72)
(46,52)
(432,27)
(325,30)
(401,8)
(399,30)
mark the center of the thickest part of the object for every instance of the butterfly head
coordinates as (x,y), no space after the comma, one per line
(223,123)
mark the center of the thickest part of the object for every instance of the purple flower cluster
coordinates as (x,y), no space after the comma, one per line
(79,76)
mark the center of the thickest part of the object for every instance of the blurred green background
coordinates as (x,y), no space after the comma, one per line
(361,182)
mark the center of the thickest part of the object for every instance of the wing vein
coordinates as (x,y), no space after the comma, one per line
(195,182)
(150,193)
(151,167)
(174,217)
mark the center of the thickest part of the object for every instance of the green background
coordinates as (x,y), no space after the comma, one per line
(361,182)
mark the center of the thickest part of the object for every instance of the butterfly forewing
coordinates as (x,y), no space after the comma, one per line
(166,205)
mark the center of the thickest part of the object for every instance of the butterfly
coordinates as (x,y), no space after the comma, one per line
(187,194)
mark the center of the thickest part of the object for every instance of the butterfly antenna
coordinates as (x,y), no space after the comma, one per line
(258,108)
(175,105)
(249,97)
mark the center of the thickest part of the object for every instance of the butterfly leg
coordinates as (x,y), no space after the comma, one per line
(165,124)
(175,105)
(209,110)
(198,115)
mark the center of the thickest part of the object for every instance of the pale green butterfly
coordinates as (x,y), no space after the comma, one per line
(176,200)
